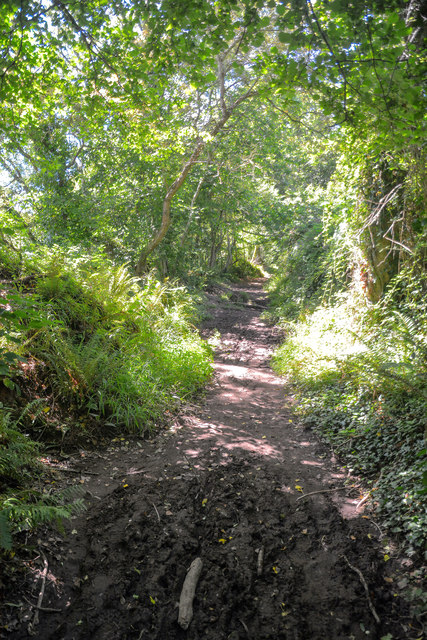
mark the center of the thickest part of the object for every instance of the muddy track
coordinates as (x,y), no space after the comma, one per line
(225,483)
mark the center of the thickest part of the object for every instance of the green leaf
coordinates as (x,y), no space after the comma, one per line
(284,37)
(9,383)
(9,356)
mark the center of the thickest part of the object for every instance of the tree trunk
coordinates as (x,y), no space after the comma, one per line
(231,244)
(191,214)
(177,184)
(154,242)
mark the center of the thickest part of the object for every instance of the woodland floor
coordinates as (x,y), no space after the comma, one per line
(225,483)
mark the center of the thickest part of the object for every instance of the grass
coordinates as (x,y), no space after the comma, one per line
(107,347)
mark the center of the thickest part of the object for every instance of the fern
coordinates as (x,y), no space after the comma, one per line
(413,334)
(114,287)
(18,454)
(35,407)
(27,510)
(61,355)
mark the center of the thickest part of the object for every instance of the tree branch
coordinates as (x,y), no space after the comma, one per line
(79,151)
(89,42)
(15,173)
(295,120)
(191,214)
(221,83)
(179,181)
(18,53)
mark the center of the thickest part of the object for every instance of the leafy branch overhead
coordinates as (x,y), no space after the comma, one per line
(161,81)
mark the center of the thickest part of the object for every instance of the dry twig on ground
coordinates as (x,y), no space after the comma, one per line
(43,575)
(365,586)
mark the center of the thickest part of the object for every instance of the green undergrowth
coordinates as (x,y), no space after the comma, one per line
(86,350)
(243,268)
(297,283)
(362,385)
(106,345)
(24,504)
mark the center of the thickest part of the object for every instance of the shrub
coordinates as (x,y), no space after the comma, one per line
(99,347)
(242,268)
(108,346)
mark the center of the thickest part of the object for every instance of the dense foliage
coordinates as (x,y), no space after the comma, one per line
(93,354)
(362,386)
(144,141)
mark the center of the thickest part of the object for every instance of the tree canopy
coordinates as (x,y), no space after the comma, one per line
(126,103)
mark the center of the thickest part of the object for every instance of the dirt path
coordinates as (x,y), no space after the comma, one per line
(226,484)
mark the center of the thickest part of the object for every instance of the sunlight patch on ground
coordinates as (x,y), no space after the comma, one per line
(254,446)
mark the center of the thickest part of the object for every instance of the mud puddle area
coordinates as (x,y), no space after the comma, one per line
(287,551)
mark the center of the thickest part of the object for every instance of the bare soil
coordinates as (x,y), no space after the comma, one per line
(287,552)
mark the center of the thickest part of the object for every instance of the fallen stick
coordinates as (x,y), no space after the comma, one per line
(365,586)
(185,613)
(260,561)
(312,493)
(46,609)
(359,504)
(68,470)
(155,509)
(253,306)
(375,525)
(244,625)
(43,574)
